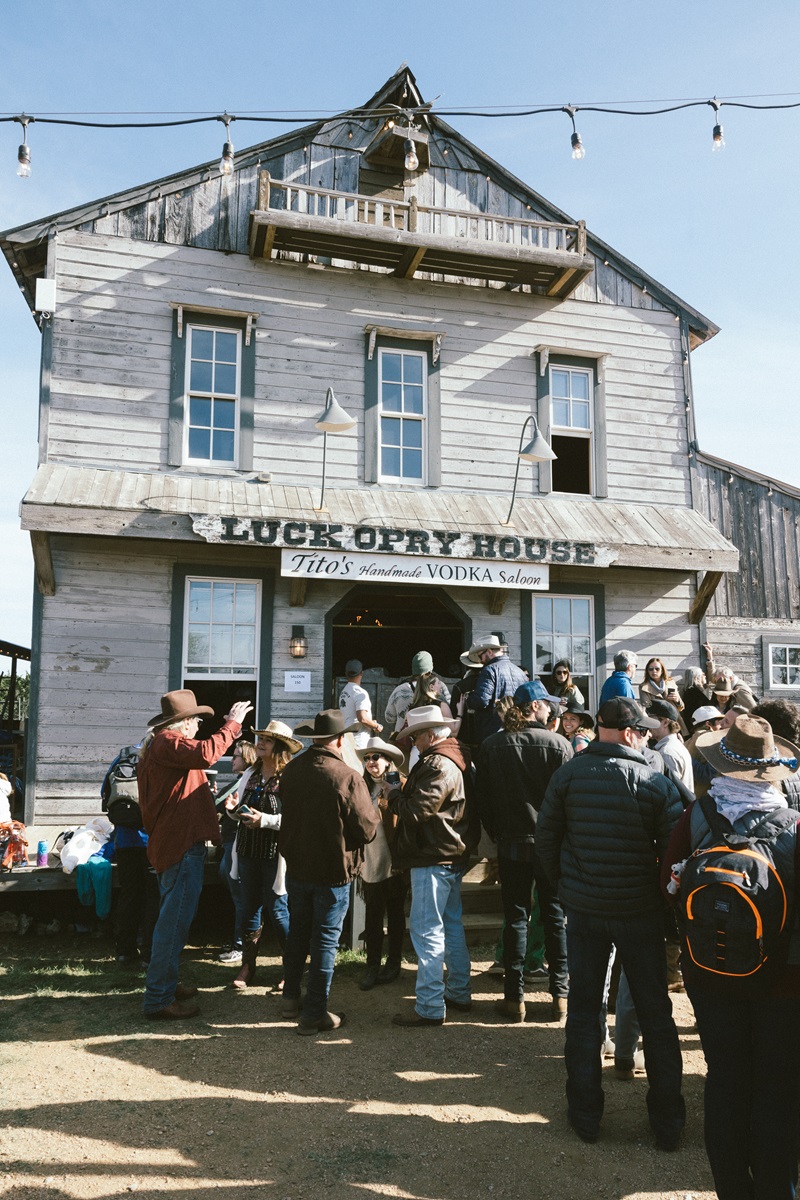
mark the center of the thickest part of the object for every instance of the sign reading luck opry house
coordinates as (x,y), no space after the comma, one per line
(386,553)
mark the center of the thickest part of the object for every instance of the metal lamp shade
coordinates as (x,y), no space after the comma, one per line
(334,419)
(538,450)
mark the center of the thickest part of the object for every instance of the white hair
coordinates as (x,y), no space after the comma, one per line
(440,732)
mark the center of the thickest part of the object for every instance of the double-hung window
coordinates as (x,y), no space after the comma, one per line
(402,425)
(781,664)
(403,395)
(212,391)
(571,408)
(214,375)
(221,640)
(564,628)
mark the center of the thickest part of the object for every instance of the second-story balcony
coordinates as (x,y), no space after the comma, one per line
(404,237)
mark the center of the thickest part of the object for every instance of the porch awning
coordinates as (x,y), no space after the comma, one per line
(178,506)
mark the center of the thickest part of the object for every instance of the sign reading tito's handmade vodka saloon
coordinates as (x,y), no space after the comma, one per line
(396,568)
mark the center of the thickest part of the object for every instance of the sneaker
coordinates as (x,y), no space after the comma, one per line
(638,1060)
(608,1047)
(230,954)
(496,968)
(537,975)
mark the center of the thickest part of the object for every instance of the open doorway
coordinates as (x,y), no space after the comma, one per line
(384,626)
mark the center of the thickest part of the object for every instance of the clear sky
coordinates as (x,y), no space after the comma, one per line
(720,229)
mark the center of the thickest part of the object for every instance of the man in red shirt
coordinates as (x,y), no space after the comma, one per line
(179,816)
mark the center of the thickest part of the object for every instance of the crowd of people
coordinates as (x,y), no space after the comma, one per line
(606,827)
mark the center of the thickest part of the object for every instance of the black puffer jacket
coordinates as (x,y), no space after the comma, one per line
(513,771)
(604,824)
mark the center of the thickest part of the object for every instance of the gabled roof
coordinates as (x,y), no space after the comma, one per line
(399,90)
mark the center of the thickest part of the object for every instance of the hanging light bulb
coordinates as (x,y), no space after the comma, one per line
(24,151)
(226,161)
(718,134)
(411,160)
(578,149)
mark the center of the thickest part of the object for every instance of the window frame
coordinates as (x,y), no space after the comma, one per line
(419,418)
(431,434)
(768,640)
(178,448)
(546,361)
(266,578)
(595,593)
(230,674)
(190,394)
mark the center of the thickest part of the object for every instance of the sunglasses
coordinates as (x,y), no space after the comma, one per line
(372,758)
(561,672)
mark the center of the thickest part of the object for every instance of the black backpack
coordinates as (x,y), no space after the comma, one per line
(120,790)
(737,893)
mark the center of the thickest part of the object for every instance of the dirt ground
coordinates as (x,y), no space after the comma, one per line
(96,1101)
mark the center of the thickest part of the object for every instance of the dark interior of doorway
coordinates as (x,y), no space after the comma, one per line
(385,626)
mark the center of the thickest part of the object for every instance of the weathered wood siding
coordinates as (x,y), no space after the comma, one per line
(210,211)
(112,349)
(763,522)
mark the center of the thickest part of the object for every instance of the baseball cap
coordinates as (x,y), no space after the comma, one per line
(706,712)
(526,693)
(664,710)
(621,713)
(353,667)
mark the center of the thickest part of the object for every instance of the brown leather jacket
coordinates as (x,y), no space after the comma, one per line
(327,816)
(437,817)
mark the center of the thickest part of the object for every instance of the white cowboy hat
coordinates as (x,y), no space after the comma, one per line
(489,641)
(428,716)
(470,657)
(281,733)
(376,745)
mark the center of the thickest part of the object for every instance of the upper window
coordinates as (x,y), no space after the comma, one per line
(564,628)
(403,396)
(402,415)
(571,391)
(784,665)
(212,409)
(212,390)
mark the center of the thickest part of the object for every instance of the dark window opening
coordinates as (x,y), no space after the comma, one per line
(571,470)
(220,694)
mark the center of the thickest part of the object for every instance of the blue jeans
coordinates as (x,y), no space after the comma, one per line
(640,944)
(626,1027)
(752,1050)
(234,886)
(257,875)
(180,887)
(317,913)
(438,938)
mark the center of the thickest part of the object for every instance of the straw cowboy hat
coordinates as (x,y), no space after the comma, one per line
(281,733)
(470,657)
(428,716)
(325,726)
(748,750)
(376,745)
(177,706)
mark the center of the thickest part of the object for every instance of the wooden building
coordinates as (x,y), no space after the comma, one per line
(177,519)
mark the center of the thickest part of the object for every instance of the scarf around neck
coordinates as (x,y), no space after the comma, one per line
(736,797)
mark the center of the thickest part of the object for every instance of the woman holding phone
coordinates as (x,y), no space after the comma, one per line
(384,890)
(259,817)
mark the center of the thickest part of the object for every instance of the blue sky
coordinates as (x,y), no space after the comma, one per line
(717,229)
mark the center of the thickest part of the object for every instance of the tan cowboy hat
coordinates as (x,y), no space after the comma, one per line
(177,706)
(428,716)
(281,733)
(748,750)
(376,745)
(470,657)
(325,726)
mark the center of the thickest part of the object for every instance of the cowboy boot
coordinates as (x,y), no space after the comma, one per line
(674,974)
(247,973)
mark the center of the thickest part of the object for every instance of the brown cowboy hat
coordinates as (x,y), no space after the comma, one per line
(177,706)
(748,750)
(325,726)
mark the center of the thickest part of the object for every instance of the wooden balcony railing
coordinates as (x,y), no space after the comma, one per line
(399,235)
